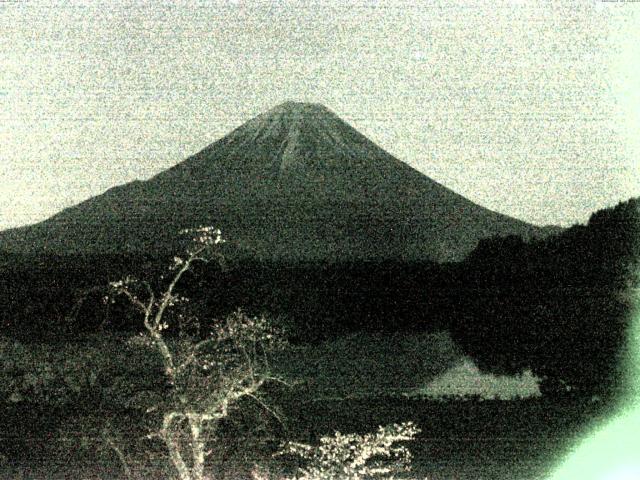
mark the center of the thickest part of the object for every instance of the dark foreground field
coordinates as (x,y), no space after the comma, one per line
(502,440)
(61,402)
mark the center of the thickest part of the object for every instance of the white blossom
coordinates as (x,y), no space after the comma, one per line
(355,457)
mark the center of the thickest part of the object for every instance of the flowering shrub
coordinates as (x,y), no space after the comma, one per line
(355,457)
(207,375)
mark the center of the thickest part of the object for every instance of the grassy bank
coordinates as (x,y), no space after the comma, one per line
(62,402)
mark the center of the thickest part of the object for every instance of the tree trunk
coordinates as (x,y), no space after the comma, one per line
(173,445)
(197,446)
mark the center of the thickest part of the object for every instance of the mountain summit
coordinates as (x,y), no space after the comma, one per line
(295,184)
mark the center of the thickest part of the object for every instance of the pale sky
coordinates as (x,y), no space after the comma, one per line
(528,108)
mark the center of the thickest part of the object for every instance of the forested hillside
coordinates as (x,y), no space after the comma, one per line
(560,306)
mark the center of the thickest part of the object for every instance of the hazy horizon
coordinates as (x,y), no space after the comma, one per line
(528,108)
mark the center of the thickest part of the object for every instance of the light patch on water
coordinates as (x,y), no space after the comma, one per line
(466,380)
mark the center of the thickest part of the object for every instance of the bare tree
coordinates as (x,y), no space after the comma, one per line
(207,376)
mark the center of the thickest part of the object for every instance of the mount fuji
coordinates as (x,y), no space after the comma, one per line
(293,184)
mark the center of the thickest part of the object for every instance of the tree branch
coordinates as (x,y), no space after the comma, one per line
(266,407)
(123,461)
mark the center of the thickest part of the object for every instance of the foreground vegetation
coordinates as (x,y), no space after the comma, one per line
(156,391)
(201,380)
(84,401)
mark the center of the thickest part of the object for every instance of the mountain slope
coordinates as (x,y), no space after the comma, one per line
(295,183)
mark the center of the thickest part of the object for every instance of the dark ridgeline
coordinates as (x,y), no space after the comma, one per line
(330,234)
